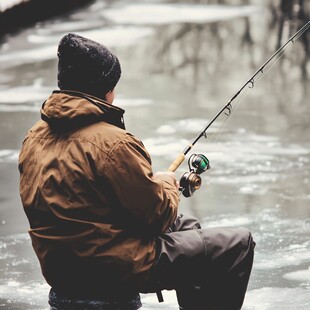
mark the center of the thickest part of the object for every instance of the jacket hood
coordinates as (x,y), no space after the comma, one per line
(65,110)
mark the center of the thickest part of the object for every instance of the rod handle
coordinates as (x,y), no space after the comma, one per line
(177,162)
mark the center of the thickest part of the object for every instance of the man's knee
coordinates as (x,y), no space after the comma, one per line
(242,243)
(221,241)
(242,255)
(246,237)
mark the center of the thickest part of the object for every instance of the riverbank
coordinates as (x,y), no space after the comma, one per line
(17,14)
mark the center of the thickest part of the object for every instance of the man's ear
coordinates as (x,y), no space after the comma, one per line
(109,97)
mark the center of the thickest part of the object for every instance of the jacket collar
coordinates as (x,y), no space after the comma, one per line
(67,108)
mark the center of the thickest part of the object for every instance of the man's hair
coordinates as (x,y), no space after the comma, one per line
(86,66)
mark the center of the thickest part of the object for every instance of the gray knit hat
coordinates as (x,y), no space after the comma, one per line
(87,66)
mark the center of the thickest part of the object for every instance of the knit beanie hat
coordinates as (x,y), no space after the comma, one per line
(86,66)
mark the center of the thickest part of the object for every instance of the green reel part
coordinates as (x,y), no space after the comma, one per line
(199,162)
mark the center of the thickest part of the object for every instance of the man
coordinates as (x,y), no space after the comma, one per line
(103,225)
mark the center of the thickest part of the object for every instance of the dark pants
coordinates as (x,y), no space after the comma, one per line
(209,268)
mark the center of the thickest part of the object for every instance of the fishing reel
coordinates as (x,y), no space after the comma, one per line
(191,181)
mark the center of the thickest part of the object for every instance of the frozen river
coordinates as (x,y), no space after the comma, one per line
(181,63)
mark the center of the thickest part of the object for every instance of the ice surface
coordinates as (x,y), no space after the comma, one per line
(159,14)
(111,36)
(260,171)
(270,298)
(8,156)
(299,276)
(132,102)
(6,4)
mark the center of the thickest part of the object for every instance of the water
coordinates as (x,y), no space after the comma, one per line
(181,64)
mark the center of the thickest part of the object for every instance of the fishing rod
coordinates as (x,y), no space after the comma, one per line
(198,163)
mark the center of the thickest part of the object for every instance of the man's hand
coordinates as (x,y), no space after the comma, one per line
(170,175)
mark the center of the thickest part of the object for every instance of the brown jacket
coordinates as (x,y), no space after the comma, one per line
(88,190)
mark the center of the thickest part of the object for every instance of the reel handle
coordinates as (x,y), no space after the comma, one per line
(177,162)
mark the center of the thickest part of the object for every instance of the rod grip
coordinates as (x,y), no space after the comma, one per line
(177,162)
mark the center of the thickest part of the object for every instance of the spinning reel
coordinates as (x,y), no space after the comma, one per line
(191,181)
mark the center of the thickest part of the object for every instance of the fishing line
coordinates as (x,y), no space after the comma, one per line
(215,136)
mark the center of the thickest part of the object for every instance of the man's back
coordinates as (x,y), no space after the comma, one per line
(92,221)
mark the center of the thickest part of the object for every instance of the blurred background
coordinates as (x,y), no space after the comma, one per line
(181,62)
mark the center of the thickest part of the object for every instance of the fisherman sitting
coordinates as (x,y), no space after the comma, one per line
(103,225)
